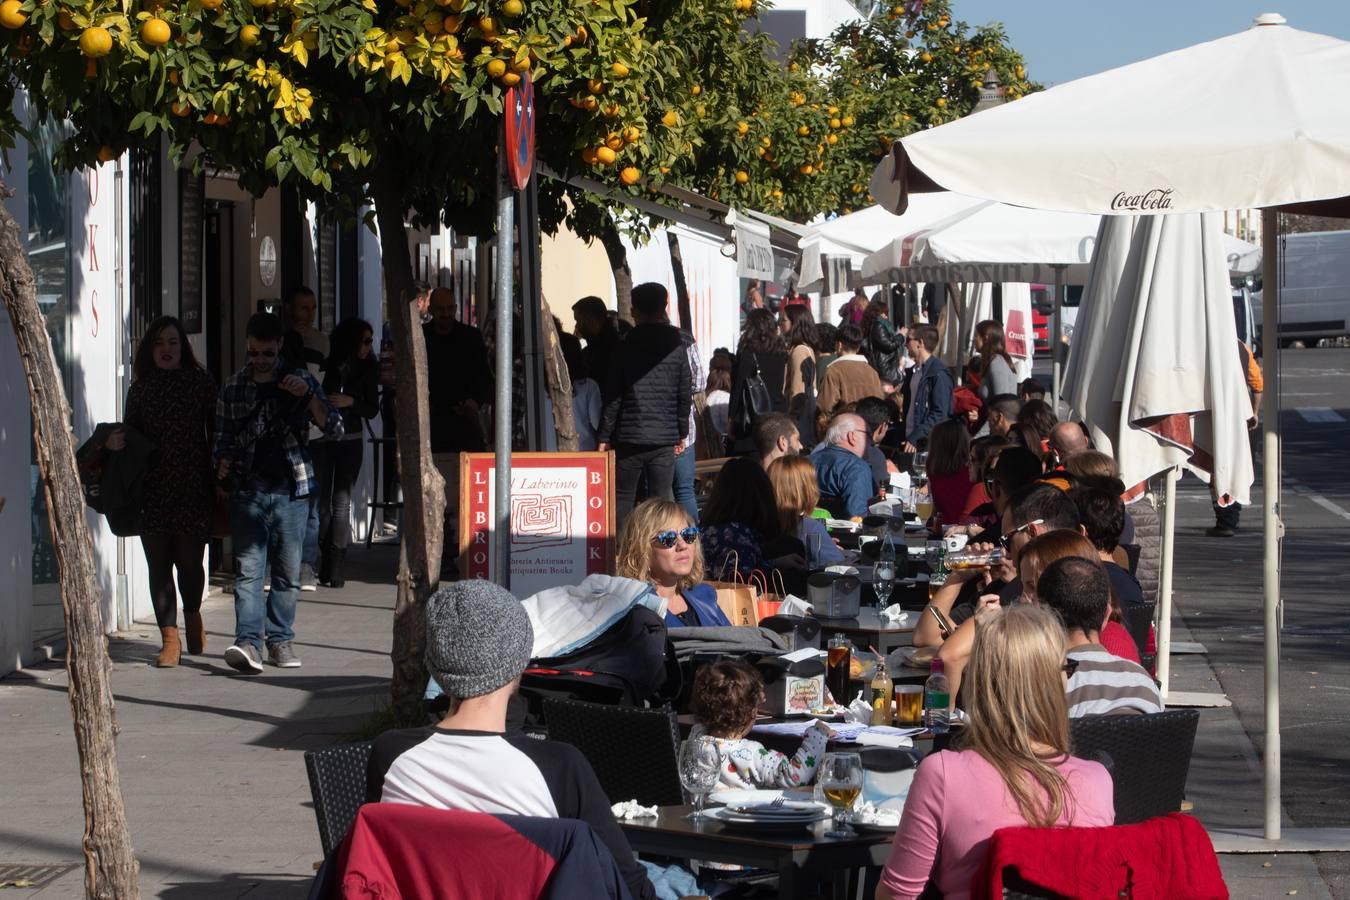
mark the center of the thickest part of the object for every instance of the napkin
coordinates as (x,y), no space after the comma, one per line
(793,605)
(896,616)
(860,710)
(874,738)
(631,809)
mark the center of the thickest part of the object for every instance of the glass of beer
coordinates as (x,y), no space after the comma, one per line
(838,659)
(841,780)
(909,704)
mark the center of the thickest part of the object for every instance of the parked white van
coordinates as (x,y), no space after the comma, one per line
(1315,293)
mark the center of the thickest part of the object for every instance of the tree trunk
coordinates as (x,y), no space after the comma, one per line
(110,864)
(422,525)
(681,286)
(618,261)
(559,381)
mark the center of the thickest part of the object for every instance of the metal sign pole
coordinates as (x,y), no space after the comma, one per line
(501,526)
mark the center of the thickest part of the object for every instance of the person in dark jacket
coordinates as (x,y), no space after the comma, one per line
(761,351)
(647,399)
(881,346)
(928,393)
(172,402)
(594,326)
(459,381)
(351,380)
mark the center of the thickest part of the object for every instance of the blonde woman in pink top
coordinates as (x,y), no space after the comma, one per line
(1015,768)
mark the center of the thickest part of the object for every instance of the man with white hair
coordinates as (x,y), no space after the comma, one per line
(840,469)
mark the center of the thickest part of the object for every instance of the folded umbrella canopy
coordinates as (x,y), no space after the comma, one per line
(1259,119)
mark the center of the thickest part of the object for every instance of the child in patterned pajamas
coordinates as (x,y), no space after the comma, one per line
(726,695)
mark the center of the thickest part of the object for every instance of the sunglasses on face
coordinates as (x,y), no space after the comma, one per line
(265,354)
(1070,667)
(668,537)
(1006,540)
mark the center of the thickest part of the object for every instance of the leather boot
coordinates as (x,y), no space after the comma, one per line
(336,560)
(171,651)
(325,573)
(196,632)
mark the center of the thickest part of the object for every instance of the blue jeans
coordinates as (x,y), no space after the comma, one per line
(683,485)
(266,527)
(318,454)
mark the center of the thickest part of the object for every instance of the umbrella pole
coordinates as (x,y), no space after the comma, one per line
(1057,325)
(1272,527)
(1169,538)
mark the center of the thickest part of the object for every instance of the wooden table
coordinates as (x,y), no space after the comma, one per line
(868,629)
(800,857)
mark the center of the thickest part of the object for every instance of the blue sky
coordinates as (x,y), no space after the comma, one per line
(1067,39)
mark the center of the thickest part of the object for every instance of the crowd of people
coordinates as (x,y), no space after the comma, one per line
(811,422)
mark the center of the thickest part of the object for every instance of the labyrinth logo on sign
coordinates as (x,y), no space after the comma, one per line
(1149,201)
(561,520)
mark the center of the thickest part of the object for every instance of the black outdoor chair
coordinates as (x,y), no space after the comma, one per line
(1137,619)
(1150,758)
(633,751)
(337,782)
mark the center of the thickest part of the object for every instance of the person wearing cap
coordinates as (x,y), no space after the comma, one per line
(479,641)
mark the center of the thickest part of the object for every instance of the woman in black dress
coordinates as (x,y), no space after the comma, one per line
(763,352)
(351,380)
(172,403)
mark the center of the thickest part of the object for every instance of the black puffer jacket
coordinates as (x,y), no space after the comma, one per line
(882,347)
(648,390)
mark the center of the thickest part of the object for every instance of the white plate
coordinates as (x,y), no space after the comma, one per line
(743,797)
(726,817)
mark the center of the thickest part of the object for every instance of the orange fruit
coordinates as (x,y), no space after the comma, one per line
(512,8)
(742,177)
(696,90)
(590,104)
(64,20)
(614,141)
(846,121)
(613,110)
(249,35)
(106,154)
(12,16)
(521,65)
(155,33)
(941,103)
(496,68)
(619,70)
(807,169)
(670,119)
(595,86)
(832,139)
(631,134)
(487,26)
(510,79)
(804,130)
(96,42)
(181,109)
(588,156)
(212,4)
(742,127)
(605,155)
(631,175)
(835,123)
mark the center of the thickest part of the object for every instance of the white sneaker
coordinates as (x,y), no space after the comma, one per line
(307,580)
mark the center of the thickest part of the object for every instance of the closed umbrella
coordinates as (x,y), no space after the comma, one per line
(1259,119)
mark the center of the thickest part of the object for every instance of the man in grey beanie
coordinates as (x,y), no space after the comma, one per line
(478,642)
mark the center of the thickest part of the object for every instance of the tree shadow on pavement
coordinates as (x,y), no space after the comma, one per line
(237,887)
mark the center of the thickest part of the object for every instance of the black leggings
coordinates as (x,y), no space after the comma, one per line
(163,554)
(336,480)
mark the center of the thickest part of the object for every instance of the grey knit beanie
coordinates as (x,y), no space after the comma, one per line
(478,638)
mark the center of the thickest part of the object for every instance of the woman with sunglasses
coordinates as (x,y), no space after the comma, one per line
(172,403)
(351,380)
(660,545)
(1012,766)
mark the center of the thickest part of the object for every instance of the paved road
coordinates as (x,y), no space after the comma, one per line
(1219,588)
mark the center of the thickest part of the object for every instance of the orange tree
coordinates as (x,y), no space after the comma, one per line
(894,74)
(389,103)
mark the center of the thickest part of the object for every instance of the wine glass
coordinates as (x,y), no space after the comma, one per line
(883,580)
(841,780)
(700,766)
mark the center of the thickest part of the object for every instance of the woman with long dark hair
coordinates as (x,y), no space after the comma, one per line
(761,354)
(740,525)
(998,375)
(799,387)
(351,380)
(172,403)
(881,345)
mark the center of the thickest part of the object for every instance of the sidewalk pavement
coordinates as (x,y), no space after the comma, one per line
(211,762)
(214,781)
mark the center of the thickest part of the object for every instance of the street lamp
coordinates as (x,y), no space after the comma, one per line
(991,92)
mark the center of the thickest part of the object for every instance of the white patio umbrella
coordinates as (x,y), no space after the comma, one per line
(860,233)
(1154,374)
(1256,119)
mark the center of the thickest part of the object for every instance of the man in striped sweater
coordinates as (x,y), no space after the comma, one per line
(1078,590)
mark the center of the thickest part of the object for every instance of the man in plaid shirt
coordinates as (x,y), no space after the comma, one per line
(263,461)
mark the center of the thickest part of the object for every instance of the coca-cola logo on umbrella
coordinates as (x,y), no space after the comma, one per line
(1158,198)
